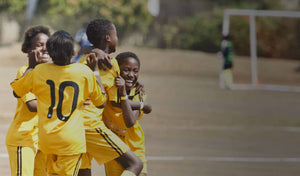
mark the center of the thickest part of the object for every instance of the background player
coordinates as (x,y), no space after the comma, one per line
(227,55)
(22,139)
(81,38)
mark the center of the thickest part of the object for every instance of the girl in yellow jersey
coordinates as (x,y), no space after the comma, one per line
(21,139)
(61,88)
(124,107)
(102,144)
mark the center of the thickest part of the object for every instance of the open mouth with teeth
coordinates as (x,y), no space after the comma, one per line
(44,58)
(129,83)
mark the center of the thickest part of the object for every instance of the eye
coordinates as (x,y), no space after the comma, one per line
(125,70)
(136,71)
(38,45)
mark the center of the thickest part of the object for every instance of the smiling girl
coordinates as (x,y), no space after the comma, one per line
(123,110)
(21,138)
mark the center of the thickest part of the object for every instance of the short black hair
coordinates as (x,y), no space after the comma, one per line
(31,33)
(60,47)
(97,30)
(122,56)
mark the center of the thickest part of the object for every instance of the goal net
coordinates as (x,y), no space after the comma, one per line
(256,80)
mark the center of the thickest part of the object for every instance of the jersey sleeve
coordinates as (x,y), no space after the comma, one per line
(28,97)
(113,94)
(96,95)
(108,76)
(23,85)
(20,72)
(83,59)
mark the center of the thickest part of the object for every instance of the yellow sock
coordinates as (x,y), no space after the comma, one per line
(228,78)
(128,173)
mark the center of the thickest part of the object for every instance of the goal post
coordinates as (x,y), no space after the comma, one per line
(252,14)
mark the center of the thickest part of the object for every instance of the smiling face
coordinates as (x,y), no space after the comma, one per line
(129,71)
(38,43)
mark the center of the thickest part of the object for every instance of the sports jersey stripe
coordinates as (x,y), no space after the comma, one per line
(77,167)
(18,169)
(100,132)
(108,141)
(19,161)
(114,143)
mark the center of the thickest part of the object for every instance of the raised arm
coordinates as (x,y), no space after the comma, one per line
(129,115)
(33,61)
(102,59)
(145,106)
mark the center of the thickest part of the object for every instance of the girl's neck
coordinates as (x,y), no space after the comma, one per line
(104,48)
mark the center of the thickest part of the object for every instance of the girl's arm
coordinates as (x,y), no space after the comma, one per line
(146,107)
(129,115)
(102,59)
(32,105)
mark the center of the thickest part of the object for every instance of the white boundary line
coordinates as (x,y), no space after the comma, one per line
(216,159)
(270,87)
(226,159)
(244,128)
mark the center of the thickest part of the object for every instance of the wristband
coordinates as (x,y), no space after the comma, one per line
(141,105)
(124,97)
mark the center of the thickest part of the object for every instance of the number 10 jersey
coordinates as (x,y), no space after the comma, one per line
(60,90)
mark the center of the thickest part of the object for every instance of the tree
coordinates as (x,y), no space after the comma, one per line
(128,15)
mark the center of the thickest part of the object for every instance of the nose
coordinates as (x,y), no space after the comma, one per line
(44,47)
(131,74)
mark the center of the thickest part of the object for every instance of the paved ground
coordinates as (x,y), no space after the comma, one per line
(195,127)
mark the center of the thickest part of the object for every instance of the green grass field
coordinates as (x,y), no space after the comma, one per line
(195,127)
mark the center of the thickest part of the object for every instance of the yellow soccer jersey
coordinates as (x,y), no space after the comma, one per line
(133,136)
(60,91)
(107,76)
(91,114)
(23,129)
(113,116)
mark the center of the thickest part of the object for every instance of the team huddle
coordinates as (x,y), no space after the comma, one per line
(70,113)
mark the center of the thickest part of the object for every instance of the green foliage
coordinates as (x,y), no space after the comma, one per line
(249,4)
(203,32)
(200,32)
(14,8)
(239,29)
(127,15)
(276,37)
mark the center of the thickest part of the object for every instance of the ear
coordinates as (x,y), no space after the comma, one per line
(107,38)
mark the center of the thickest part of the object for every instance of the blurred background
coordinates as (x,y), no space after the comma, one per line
(181,24)
(195,127)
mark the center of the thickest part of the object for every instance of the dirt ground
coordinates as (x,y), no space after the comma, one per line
(196,128)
